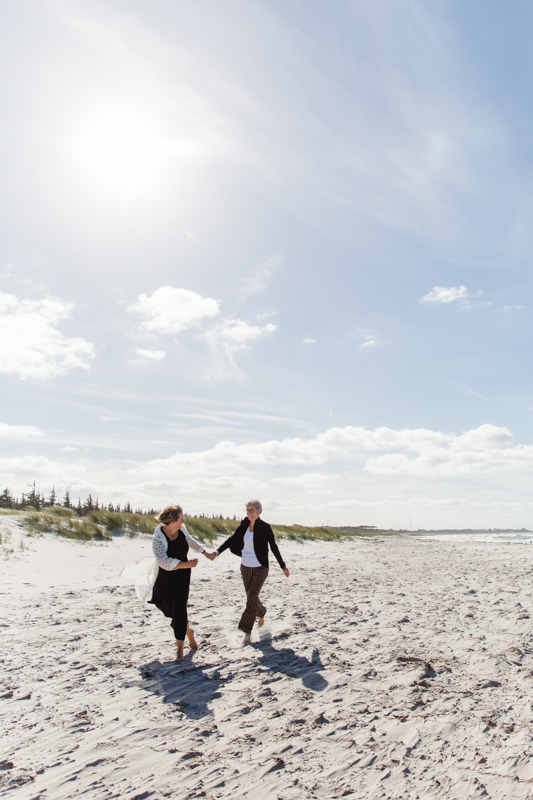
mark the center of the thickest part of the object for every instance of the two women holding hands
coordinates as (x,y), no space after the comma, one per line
(170,544)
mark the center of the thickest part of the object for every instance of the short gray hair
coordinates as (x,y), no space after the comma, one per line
(256,504)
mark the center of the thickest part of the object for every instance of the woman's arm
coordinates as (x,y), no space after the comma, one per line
(187,564)
(159,548)
(224,545)
(275,550)
(231,539)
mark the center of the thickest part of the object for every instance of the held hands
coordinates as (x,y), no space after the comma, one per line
(210,556)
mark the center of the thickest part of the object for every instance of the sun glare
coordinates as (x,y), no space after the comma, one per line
(121,151)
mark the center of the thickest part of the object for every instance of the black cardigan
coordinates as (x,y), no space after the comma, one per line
(263,536)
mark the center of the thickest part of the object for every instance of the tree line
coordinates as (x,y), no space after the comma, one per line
(37,499)
(34,498)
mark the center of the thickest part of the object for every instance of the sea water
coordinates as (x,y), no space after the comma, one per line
(511,537)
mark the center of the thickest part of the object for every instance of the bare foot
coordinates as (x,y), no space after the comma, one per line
(179,644)
(247,638)
(192,641)
(261,621)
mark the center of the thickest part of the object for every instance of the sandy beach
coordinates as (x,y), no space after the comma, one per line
(387,668)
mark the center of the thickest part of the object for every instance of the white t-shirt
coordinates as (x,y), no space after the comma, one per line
(248,557)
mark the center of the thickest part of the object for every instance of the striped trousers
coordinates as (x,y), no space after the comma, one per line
(253,579)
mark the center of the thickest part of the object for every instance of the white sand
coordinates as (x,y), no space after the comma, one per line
(388,669)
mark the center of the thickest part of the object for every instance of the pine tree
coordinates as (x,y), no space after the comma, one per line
(79,508)
(52,499)
(34,497)
(127,508)
(88,505)
(6,499)
(66,500)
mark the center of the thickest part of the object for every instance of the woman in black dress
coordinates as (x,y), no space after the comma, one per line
(170,543)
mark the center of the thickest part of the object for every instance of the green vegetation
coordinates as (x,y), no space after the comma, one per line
(326,532)
(60,520)
(208,530)
(123,522)
(103,525)
(96,525)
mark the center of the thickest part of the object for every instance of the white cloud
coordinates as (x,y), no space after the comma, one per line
(370,339)
(308,341)
(405,467)
(19,431)
(514,308)
(441,294)
(258,277)
(487,449)
(482,438)
(68,449)
(32,345)
(236,334)
(169,310)
(230,337)
(344,443)
(148,354)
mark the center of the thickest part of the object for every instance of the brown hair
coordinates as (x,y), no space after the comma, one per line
(169,514)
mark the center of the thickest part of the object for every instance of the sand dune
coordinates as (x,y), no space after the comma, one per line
(387,669)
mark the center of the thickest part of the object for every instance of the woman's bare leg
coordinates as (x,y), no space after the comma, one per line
(260,621)
(192,642)
(190,636)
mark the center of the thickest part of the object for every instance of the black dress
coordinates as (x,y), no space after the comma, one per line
(171,588)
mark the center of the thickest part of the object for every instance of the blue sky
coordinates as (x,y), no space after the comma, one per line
(273,249)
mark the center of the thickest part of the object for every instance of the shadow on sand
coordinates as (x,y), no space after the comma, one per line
(288,662)
(190,688)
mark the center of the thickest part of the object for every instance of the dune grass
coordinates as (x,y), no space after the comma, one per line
(103,525)
(207,530)
(62,521)
(100,525)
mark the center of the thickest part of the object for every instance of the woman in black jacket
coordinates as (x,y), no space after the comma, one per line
(251,541)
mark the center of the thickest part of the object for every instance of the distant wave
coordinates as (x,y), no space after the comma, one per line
(510,537)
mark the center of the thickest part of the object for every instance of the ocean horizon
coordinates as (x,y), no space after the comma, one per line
(503,536)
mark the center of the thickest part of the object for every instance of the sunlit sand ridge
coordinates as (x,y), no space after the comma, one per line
(395,668)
